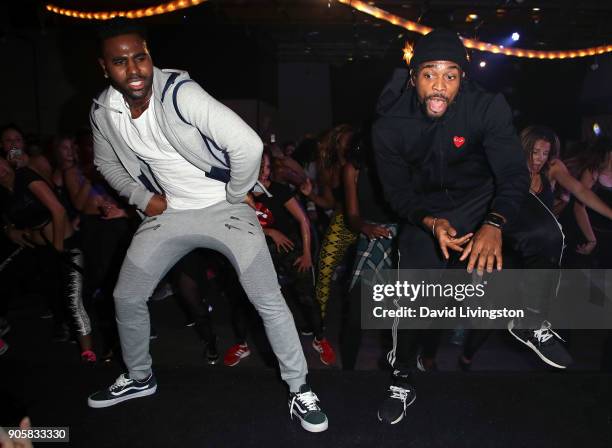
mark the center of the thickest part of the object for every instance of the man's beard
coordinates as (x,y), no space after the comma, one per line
(129,93)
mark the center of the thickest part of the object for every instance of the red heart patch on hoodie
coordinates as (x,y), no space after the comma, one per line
(458,141)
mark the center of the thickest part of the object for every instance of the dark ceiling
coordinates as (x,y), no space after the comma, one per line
(330,31)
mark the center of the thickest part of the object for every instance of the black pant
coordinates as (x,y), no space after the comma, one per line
(534,235)
(35,270)
(190,283)
(104,243)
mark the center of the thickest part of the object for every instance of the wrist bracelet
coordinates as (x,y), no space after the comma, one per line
(494,224)
(494,220)
(433,227)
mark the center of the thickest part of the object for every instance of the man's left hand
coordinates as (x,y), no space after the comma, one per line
(484,250)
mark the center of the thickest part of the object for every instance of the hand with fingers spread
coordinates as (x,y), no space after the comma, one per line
(446,235)
(303,262)
(280,239)
(485,250)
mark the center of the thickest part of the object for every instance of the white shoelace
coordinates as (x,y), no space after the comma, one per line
(399,393)
(120,382)
(308,399)
(545,333)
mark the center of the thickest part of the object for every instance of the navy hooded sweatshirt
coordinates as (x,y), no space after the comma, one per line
(432,167)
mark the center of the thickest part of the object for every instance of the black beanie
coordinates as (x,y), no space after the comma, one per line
(439,45)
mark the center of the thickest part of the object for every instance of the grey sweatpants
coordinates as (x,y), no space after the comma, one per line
(162,240)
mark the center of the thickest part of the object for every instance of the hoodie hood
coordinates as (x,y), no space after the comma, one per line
(395,96)
(162,81)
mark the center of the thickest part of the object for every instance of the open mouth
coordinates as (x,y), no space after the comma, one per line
(436,105)
(136,84)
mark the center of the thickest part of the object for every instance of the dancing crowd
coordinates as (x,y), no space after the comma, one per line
(97,231)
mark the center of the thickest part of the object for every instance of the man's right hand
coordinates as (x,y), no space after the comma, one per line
(446,235)
(156,206)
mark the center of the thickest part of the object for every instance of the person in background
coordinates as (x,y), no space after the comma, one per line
(190,284)
(374,221)
(594,168)
(11,138)
(330,196)
(288,236)
(548,175)
(36,217)
(104,227)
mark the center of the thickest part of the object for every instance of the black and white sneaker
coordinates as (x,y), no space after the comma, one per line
(124,388)
(544,342)
(303,405)
(401,395)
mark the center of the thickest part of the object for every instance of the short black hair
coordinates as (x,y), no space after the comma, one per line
(118,26)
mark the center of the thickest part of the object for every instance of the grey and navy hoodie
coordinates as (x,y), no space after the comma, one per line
(435,166)
(204,131)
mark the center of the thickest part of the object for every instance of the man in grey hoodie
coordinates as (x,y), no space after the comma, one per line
(187,162)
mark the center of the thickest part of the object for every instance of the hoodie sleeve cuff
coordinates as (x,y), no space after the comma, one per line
(416,217)
(232,197)
(504,209)
(140,198)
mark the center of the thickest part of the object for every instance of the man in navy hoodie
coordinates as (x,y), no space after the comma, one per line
(453,169)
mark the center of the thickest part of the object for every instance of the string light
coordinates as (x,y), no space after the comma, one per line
(476,44)
(130,14)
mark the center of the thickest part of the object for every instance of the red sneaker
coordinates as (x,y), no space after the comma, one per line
(326,351)
(235,353)
(3,346)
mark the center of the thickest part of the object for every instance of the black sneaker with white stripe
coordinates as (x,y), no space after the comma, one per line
(544,342)
(124,388)
(401,394)
(303,405)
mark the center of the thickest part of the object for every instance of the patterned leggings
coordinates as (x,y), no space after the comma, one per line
(336,241)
